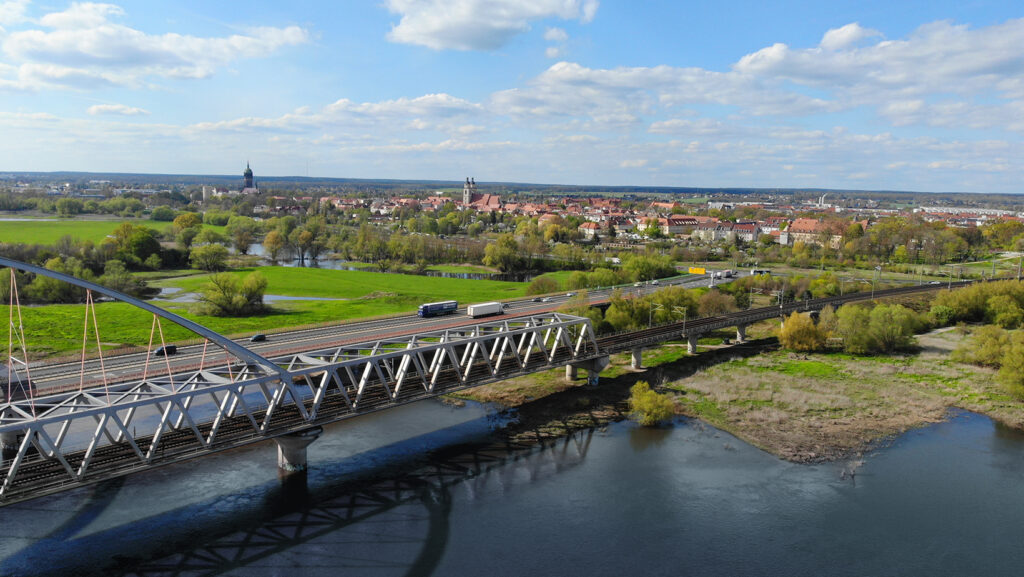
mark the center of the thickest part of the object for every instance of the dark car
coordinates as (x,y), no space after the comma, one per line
(538,299)
(165,351)
(257,338)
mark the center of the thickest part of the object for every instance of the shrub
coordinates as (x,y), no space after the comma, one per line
(799,333)
(649,407)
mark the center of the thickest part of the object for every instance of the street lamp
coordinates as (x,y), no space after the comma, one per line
(878,273)
(685,310)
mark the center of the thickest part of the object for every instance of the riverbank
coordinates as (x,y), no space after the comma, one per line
(799,407)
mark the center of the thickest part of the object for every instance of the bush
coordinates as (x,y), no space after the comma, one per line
(542,285)
(227,295)
(799,333)
(649,407)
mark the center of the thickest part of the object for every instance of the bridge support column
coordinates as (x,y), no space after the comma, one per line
(691,344)
(741,333)
(570,372)
(637,362)
(9,445)
(592,366)
(291,450)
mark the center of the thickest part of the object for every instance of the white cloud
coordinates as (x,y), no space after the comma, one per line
(477,24)
(120,109)
(846,36)
(84,47)
(12,12)
(634,163)
(553,52)
(556,35)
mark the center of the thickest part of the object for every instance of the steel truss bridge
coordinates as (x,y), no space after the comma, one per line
(60,441)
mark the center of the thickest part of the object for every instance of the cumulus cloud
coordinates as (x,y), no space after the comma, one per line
(12,12)
(556,35)
(477,24)
(85,46)
(120,109)
(846,36)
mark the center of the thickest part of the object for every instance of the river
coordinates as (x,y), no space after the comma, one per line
(423,490)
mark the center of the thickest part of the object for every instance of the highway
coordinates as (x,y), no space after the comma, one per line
(68,375)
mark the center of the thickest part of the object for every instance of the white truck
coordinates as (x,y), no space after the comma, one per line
(484,310)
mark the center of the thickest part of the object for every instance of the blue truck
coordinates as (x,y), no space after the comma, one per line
(439,308)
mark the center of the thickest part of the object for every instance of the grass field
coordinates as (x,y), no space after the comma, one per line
(48,231)
(353,284)
(57,329)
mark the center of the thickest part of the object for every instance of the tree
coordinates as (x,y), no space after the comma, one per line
(892,327)
(799,333)
(226,295)
(210,257)
(69,206)
(714,302)
(542,285)
(853,322)
(649,407)
(1011,373)
(503,254)
(273,244)
(162,213)
(187,220)
(986,347)
(1004,311)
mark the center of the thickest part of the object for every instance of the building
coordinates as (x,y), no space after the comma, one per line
(249,185)
(479,202)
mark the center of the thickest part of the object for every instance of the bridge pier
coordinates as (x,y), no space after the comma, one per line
(291,450)
(741,333)
(9,445)
(593,368)
(637,362)
(691,344)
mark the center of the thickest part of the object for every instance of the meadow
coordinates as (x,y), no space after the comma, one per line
(48,231)
(57,329)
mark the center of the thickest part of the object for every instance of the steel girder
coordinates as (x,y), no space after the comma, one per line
(69,439)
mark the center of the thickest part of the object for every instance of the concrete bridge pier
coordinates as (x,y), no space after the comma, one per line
(741,333)
(593,368)
(291,450)
(637,362)
(691,344)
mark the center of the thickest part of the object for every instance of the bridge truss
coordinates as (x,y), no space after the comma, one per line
(59,441)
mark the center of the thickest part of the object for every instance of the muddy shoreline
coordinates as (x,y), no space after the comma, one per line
(801,408)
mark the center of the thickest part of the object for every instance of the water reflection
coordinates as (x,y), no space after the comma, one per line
(643,438)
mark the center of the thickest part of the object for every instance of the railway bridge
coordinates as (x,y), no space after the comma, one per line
(60,440)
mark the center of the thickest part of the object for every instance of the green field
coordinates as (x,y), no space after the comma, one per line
(57,329)
(355,284)
(48,231)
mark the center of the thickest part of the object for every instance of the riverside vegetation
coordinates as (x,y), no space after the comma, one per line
(820,402)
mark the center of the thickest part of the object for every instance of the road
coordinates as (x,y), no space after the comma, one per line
(53,377)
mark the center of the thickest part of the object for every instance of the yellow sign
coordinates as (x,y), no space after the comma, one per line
(697,270)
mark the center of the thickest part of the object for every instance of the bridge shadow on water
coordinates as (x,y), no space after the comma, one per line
(388,518)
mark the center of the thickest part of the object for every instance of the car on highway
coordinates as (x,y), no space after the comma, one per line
(259,338)
(538,299)
(638,284)
(165,351)
(570,294)
(935,282)
(545,299)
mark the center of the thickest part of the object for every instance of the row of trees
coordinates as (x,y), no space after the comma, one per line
(854,328)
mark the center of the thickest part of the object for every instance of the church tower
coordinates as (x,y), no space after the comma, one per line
(248,176)
(468,191)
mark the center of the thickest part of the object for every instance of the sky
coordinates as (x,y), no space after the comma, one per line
(870,95)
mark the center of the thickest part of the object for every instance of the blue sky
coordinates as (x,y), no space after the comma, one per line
(906,95)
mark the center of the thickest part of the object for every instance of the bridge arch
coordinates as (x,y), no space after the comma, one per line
(238,350)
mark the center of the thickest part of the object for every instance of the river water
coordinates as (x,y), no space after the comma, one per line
(423,490)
